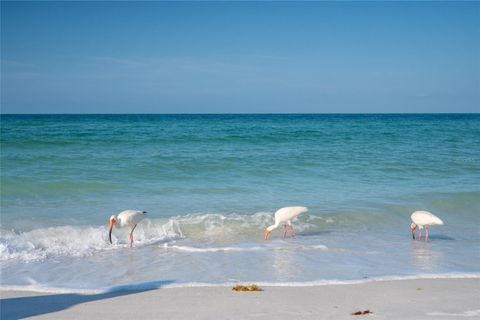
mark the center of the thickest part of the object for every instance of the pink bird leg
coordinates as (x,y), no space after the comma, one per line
(426,234)
(131,236)
(292,234)
(419,234)
(284,231)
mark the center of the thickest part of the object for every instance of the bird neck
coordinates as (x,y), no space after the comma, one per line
(273,226)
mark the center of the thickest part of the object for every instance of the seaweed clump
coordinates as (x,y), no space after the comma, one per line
(249,288)
(362,313)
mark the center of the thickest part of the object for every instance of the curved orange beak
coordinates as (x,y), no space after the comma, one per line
(112,222)
(267,234)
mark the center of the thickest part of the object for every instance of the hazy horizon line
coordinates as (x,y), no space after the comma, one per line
(244,113)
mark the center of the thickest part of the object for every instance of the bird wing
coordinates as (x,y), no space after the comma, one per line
(131,217)
(426,218)
(288,213)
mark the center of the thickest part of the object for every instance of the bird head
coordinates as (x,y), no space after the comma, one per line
(113,220)
(413,226)
(267,234)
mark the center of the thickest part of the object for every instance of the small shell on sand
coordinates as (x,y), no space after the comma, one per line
(252,287)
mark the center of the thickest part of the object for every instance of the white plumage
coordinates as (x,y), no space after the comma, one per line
(127,218)
(423,219)
(285,215)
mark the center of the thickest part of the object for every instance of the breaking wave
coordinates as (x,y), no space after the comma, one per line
(77,241)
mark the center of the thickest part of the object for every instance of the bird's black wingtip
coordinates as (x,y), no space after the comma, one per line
(144,211)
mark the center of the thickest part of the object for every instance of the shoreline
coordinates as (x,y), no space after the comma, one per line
(167,284)
(447,298)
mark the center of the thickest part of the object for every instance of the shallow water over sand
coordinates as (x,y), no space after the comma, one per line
(211,183)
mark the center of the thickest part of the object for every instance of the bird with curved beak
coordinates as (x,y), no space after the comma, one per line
(421,219)
(285,215)
(127,218)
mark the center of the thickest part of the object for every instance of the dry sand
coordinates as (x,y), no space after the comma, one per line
(404,299)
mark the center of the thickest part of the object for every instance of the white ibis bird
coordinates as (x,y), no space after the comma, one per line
(423,219)
(127,218)
(285,216)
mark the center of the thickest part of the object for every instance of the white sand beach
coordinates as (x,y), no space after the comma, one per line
(401,299)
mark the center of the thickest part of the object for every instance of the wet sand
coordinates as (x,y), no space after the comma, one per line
(402,299)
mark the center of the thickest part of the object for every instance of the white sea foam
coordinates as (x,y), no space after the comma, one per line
(244,249)
(467,314)
(214,249)
(77,241)
(41,244)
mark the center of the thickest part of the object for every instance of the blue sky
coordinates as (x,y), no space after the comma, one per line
(236,57)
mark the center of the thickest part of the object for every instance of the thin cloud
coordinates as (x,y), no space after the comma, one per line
(179,64)
(22,75)
(15,64)
(422,95)
(119,61)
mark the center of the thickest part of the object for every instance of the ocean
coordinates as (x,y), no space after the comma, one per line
(210,185)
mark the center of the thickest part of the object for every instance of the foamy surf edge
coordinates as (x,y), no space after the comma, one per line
(45,243)
(153,285)
(192,249)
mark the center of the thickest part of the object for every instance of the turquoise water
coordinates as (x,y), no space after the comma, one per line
(210,185)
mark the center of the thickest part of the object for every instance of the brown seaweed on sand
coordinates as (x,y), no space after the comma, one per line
(362,313)
(252,287)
